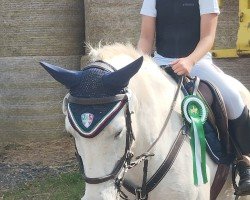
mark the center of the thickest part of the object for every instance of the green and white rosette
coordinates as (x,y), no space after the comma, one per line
(195,113)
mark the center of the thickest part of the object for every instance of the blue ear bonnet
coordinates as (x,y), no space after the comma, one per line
(91,80)
(91,85)
(89,120)
(97,80)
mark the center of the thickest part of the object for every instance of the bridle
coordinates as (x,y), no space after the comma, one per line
(129,133)
(125,162)
(124,99)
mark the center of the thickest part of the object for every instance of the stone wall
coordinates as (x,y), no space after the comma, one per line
(31,31)
(112,21)
(41,28)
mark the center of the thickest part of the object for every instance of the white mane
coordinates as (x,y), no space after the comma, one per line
(109,51)
(117,51)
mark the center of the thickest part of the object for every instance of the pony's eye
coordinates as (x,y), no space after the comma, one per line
(118,133)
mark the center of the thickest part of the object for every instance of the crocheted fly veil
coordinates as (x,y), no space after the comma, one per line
(98,80)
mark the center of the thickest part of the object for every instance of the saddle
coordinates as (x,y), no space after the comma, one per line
(217,115)
(219,145)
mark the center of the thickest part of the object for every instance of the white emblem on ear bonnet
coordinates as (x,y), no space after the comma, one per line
(87,119)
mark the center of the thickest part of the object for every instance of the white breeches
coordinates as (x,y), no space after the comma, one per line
(206,70)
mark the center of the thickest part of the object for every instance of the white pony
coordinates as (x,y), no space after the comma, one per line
(152,92)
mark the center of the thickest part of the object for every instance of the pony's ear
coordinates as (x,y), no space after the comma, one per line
(69,78)
(120,79)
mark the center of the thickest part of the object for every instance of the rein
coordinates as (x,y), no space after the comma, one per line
(141,193)
(169,114)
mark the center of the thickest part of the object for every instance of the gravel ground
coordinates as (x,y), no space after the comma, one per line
(12,175)
(21,163)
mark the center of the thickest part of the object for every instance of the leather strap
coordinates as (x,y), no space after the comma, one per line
(196,85)
(96,101)
(169,114)
(219,180)
(168,162)
(164,168)
(120,163)
(103,179)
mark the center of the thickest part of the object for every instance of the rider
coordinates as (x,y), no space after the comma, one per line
(185,32)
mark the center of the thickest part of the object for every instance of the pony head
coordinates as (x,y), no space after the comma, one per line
(95,110)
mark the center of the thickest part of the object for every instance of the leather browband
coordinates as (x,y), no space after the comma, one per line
(96,101)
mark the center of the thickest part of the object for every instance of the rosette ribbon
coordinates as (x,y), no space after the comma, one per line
(195,113)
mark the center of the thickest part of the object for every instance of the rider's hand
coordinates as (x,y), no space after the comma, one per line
(182,66)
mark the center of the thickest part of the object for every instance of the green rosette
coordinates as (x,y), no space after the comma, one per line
(195,113)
